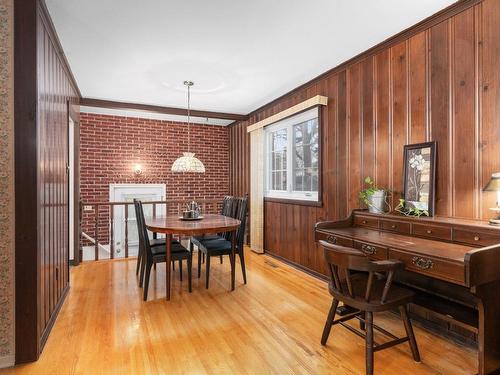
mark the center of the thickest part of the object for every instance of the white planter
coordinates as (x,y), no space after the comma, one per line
(377,202)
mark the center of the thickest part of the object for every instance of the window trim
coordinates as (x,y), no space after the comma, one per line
(281,196)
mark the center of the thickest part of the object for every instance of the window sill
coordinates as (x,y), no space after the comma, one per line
(297,202)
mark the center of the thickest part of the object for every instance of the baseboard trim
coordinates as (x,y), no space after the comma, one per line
(7,361)
(53,318)
(297,266)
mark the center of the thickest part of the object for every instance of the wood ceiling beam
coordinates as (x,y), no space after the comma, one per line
(91,102)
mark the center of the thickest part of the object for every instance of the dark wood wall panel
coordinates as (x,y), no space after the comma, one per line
(440,112)
(55,91)
(418,88)
(464,125)
(439,83)
(42,272)
(399,120)
(382,119)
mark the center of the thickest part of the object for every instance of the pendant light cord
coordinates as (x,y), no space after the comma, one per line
(189,118)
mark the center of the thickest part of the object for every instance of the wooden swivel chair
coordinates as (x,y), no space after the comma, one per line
(366,285)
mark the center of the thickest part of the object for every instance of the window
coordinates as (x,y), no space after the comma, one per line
(292,157)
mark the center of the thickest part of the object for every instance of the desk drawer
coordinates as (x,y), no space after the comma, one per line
(475,238)
(440,269)
(334,239)
(374,252)
(395,226)
(432,231)
(366,221)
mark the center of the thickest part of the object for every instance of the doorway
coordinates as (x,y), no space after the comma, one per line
(127,193)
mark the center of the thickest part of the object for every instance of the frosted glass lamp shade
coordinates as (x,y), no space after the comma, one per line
(188,163)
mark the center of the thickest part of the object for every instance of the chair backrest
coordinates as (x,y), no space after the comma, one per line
(141,229)
(241,215)
(226,206)
(342,261)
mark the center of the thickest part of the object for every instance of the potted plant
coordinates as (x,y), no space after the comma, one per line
(373,197)
(408,210)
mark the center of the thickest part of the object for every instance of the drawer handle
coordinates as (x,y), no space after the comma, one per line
(367,249)
(476,238)
(423,263)
(429,231)
(364,222)
(332,239)
(394,226)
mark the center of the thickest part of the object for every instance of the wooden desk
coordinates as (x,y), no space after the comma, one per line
(452,264)
(170,225)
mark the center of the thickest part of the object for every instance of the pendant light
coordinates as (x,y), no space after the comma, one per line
(187,162)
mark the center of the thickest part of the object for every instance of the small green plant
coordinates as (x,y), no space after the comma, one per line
(410,211)
(370,189)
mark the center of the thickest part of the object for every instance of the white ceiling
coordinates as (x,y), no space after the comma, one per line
(241,54)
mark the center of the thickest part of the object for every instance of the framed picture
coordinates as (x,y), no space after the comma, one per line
(420,176)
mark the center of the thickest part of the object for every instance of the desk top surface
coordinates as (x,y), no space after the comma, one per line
(434,248)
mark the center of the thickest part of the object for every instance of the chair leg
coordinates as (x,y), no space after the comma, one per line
(329,321)
(139,256)
(180,269)
(154,266)
(207,271)
(146,281)
(173,266)
(233,270)
(190,268)
(362,325)
(203,257)
(143,268)
(243,270)
(409,332)
(221,260)
(199,263)
(369,343)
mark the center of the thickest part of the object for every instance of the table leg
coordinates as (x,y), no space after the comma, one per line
(168,250)
(233,258)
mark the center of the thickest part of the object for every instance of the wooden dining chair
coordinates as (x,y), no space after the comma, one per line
(153,242)
(157,254)
(366,285)
(226,210)
(222,246)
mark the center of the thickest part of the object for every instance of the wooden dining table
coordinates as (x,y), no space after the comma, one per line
(209,224)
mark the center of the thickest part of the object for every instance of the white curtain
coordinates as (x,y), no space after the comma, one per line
(257,190)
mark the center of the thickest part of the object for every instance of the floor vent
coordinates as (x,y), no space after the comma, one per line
(274,265)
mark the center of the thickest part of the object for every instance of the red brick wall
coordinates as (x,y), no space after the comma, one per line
(110,147)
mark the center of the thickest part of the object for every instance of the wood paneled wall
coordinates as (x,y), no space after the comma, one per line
(239,159)
(42,99)
(438,83)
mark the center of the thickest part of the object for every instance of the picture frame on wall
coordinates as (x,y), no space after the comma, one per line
(419,161)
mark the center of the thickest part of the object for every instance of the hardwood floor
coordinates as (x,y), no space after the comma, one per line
(271,325)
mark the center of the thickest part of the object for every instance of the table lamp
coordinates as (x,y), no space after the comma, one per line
(494,185)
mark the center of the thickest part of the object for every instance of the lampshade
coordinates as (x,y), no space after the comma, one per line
(494,183)
(188,163)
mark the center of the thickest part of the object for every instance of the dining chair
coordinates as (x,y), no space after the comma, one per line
(366,285)
(157,246)
(223,245)
(140,267)
(226,210)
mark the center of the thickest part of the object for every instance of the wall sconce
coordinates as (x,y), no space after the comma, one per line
(138,169)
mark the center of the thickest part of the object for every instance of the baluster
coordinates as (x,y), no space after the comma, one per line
(112,231)
(96,234)
(126,230)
